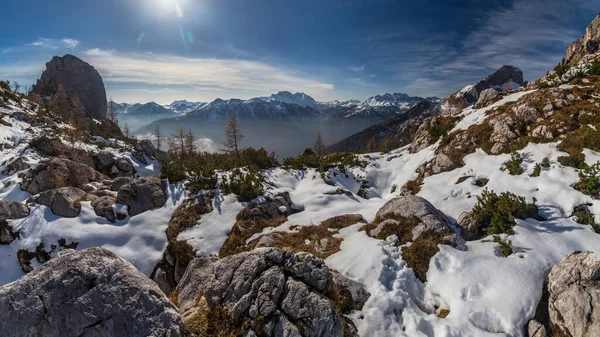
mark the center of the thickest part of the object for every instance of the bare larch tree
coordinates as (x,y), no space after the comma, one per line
(233,136)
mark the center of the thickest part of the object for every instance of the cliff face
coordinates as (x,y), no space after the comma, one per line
(587,44)
(69,76)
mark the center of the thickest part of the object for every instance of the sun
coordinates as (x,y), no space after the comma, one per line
(164,8)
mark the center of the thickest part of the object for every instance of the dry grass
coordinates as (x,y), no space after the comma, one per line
(212,321)
(420,252)
(318,240)
(185,216)
(242,231)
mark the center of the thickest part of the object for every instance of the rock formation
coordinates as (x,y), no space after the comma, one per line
(587,44)
(92,292)
(71,77)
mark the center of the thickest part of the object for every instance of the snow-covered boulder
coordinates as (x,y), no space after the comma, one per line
(486,97)
(574,289)
(92,292)
(286,292)
(59,172)
(13,210)
(107,163)
(430,219)
(142,194)
(64,201)
(103,206)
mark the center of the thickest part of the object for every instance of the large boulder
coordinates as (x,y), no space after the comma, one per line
(420,213)
(142,194)
(15,166)
(92,292)
(64,201)
(267,292)
(103,206)
(71,77)
(574,295)
(272,207)
(7,235)
(486,97)
(59,172)
(13,210)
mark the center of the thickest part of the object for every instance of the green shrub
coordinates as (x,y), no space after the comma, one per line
(481,182)
(595,68)
(497,213)
(201,178)
(504,245)
(308,159)
(561,69)
(173,171)
(246,185)
(589,182)
(257,157)
(574,160)
(537,169)
(546,162)
(585,217)
(514,164)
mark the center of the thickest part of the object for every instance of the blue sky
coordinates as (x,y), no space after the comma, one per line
(199,50)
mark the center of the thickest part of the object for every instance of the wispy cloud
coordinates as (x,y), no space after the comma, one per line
(207,77)
(55,43)
(530,34)
(358,69)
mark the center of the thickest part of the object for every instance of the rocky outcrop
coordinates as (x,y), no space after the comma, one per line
(272,207)
(64,201)
(487,97)
(574,295)
(500,79)
(15,166)
(92,292)
(587,44)
(71,77)
(59,172)
(119,182)
(142,194)
(470,228)
(397,211)
(103,206)
(536,329)
(13,210)
(7,235)
(107,163)
(267,292)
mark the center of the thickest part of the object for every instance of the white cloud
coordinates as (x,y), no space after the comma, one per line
(207,78)
(358,69)
(55,43)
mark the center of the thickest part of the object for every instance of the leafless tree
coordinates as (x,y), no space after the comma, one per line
(112,111)
(126,131)
(190,142)
(319,146)
(233,136)
(177,141)
(159,137)
(16,87)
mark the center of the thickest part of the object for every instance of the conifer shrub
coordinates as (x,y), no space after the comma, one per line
(505,246)
(308,159)
(497,212)
(246,185)
(201,178)
(173,171)
(514,164)
(595,68)
(537,170)
(585,217)
(589,180)
(546,162)
(481,182)
(561,69)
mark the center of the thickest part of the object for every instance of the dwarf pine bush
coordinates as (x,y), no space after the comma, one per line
(589,180)
(514,164)
(497,212)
